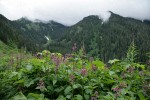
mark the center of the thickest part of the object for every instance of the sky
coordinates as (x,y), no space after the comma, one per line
(69,12)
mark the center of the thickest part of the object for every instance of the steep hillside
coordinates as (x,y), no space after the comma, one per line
(3,47)
(111,39)
(7,32)
(105,40)
(32,35)
(39,32)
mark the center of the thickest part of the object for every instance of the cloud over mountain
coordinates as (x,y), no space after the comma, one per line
(71,11)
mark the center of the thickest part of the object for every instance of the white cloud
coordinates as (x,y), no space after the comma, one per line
(71,11)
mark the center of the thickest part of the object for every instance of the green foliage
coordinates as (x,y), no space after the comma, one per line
(48,75)
(111,39)
(25,33)
(104,40)
(131,53)
(51,76)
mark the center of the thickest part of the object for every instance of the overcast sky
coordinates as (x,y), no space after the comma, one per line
(70,12)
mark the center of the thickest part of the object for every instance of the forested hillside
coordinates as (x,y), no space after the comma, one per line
(110,39)
(8,34)
(105,40)
(28,34)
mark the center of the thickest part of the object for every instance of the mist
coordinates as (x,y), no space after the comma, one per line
(69,12)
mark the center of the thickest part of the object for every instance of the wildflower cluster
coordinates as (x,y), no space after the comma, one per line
(50,76)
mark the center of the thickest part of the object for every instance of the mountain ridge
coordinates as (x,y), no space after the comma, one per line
(124,29)
(106,40)
(42,21)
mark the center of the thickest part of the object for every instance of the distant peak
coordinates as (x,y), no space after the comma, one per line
(111,12)
(2,17)
(38,20)
(23,18)
(114,15)
(54,22)
(91,17)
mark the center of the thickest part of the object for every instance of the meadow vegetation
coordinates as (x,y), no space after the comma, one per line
(47,76)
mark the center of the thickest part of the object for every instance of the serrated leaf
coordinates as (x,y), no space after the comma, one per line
(68,90)
(59,89)
(28,83)
(75,86)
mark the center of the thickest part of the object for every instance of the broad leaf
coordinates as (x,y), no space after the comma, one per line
(68,90)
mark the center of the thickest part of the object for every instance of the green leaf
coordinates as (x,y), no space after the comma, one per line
(123,91)
(139,66)
(59,54)
(59,89)
(41,88)
(68,90)
(28,82)
(88,91)
(113,61)
(20,96)
(141,96)
(86,87)
(13,74)
(99,64)
(61,98)
(34,96)
(68,96)
(50,88)
(78,97)
(20,81)
(87,97)
(54,82)
(109,96)
(43,69)
(29,67)
(75,86)
(109,81)
(36,62)
(111,73)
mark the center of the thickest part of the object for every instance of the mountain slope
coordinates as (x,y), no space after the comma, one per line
(32,35)
(8,33)
(105,40)
(111,39)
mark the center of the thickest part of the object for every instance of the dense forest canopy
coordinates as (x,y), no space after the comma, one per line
(103,39)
